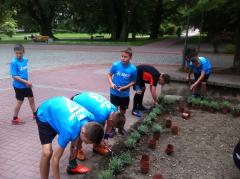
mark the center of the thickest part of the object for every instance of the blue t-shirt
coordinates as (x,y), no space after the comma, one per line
(65,116)
(205,66)
(96,104)
(19,67)
(122,76)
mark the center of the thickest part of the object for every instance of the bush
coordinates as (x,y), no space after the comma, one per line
(225,104)
(215,105)
(130,143)
(115,165)
(148,120)
(106,174)
(157,128)
(152,115)
(135,135)
(157,110)
(143,129)
(126,158)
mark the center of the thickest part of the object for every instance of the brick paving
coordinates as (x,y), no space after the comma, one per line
(19,145)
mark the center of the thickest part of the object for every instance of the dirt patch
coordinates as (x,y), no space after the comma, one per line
(203,149)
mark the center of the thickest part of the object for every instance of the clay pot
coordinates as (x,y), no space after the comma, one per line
(152,143)
(156,135)
(225,110)
(185,115)
(158,176)
(169,149)
(144,164)
(168,123)
(174,130)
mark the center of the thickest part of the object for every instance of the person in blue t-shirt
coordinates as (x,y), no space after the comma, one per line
(21,84)
(72,122)
(201,67)
(121,77)
(105,113)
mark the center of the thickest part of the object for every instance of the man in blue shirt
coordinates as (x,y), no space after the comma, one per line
(72,122)
(201,67)
(21,84)
(121,77)
(105,113)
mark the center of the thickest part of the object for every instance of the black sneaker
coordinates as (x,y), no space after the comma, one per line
(143,109)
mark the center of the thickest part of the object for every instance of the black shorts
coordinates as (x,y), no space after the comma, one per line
(46,132)
(236,155)
(21,93)
(122,102)
(196,76)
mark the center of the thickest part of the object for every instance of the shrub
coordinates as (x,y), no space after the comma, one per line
(152,115)
(115,165)
(225,104)
(237,108)
(157,128)
(147,121)
(143,129)
(106,174)
(130,143)
(135,135)
(126,158)
(215,105)
(157,110)
(196,101)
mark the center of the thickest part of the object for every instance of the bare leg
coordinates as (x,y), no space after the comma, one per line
(17,108)
(45,160)
(32,104)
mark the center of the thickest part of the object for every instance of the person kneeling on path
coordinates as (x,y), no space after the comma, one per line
(150,75)
(105,113)
(236,155)
(202,68)
(72,122)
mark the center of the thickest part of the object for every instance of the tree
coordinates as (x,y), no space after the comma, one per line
(8,25)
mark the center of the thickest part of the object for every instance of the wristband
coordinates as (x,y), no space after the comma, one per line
(106,136)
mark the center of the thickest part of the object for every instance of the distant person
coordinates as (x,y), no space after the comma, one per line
(121,78)
(105,113)
(179,32)
(202,68)
(21,84)
(150,75)
(72,122)
(236,155)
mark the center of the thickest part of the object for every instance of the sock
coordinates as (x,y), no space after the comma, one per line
(136,100)
(72,163)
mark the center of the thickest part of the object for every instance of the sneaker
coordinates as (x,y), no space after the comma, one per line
(17,121)
(137,113)
(112,134)
(122,131)
(79,169)
(143,109)
(100,149)
(81,155)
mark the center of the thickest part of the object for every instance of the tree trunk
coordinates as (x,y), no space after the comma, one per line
(46,29)
(236,62)
(156,21)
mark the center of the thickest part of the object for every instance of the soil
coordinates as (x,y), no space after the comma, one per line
(202,149)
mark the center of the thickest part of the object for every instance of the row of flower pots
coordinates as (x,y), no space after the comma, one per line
(213,106)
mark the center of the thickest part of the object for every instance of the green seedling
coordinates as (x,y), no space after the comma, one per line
(115,165)
(157,128)
(130,143)
(147,121)
(106,174)
(157,111)
(143,129)
(126,158)
(135,135)
(225,104)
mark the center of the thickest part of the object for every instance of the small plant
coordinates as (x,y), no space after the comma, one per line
(126,158)
(115,165)
(204,103)
(157,111)
(147,121)
(167,101)
(157,128)
(135,135)
(196,101)
(152,115)
(236,110)
(225,104)
(106,174)
(143,129)
(130,143)
(214,105)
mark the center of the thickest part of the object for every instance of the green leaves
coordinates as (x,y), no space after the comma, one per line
(130,143)
(143,129)
(106,174)
(157,128)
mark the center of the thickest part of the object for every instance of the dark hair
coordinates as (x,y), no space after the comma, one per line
(166,78)
(191,52)
(94,132)
(119,120)
(128,51)
(18,47)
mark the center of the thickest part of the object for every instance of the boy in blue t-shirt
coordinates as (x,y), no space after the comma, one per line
(21,85)
(105,113)
(72,122)
(201,67)
(121,77)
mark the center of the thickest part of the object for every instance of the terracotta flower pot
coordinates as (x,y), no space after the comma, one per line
(185,115)
(156,135)
(169,149)
(174,130)
(225,110)
(158,176)
(168,123)
(152,143)
(144,164)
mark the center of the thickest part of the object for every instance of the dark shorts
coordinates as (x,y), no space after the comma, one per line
(122,102)
(46,132)
(236,155)
(21,93)
(196,76)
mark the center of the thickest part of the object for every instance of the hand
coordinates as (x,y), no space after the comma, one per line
(192,87)
(104,142)
(113,86)
(187,78)
(29,84)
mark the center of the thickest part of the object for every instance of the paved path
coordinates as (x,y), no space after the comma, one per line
(65,70)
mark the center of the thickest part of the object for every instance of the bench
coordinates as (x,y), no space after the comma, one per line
(40,38)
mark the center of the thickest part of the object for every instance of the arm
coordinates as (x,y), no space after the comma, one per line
(22,80)
(189,74)
(198,81)
(127,86)
(55,161)
(154,93)
(74,147)
(109,77)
